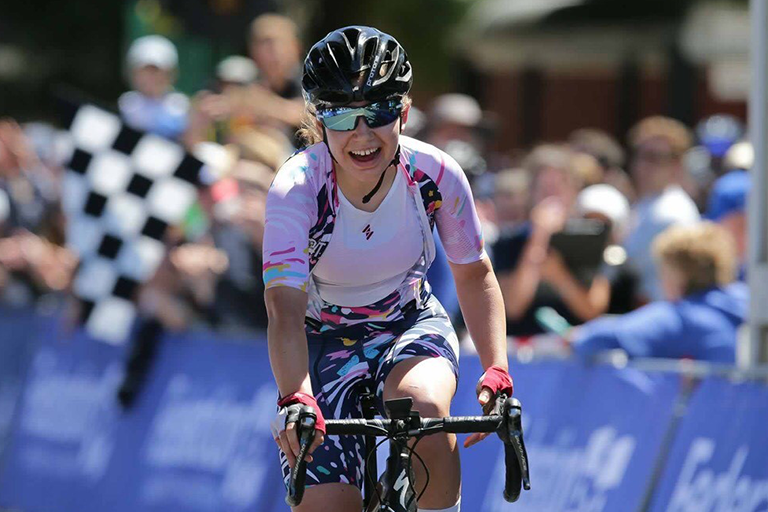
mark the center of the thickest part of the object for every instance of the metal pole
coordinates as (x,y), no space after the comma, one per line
(758,199)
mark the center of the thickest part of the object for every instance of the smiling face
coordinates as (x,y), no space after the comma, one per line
(362,154)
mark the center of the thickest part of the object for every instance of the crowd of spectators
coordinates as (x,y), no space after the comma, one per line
(576,229)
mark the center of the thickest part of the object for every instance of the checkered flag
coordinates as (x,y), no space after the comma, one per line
(122,190)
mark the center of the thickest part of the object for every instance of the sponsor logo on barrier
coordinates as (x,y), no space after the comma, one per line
(68,417)
(207,439)
(701,489)
(567,476)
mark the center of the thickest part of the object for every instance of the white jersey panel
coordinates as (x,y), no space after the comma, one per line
(370,253)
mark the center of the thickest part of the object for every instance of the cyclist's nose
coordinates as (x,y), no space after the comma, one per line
(362,128)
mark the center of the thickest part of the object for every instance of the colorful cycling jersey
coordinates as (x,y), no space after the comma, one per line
(366,236)
(302,206)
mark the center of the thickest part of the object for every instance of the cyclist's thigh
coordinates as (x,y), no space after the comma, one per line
(331,497)
(423,361)
(335,370)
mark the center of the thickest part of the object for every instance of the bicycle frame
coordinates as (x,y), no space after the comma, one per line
(397,493)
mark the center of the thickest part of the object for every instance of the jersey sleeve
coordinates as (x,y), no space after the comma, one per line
(291,211)
(456,218)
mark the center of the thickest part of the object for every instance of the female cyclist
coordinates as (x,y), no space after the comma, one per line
(347,244)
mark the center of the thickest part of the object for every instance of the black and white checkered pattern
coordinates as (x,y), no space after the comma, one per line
(122,190)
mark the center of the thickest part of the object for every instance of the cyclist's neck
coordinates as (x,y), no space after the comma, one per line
(356,186)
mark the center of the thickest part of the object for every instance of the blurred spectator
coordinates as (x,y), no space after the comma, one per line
(216,278)
(214,116)
(727,207)
(271,100)
(741,156)
(454,117)
(534,275)
(658,145)
(153,105)
(275,47)
(588,169)
(705,162)
(510,197)
(609,206)
(264,145)
(239,298)
(30,265)
(717,134)
(235,70)
(609,155)
(702,308)
(606,204)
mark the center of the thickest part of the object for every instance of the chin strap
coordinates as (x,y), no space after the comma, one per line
(325,141)
(394,162)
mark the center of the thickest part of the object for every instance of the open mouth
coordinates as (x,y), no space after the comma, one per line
(365,156)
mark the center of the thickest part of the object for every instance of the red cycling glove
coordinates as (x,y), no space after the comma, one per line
(498,380)
(305,399)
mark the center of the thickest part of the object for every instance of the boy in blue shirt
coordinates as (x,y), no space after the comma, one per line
(702,310)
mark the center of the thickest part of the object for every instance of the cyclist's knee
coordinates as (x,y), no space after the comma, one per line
(429,381)
(337,497)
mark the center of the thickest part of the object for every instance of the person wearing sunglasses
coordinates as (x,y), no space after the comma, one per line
(347,244)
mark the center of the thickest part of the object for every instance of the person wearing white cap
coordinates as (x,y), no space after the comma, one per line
(153,105)
(236,70)
(605,203)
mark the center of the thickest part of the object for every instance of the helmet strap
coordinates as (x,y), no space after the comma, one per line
(394,162)
(325,141)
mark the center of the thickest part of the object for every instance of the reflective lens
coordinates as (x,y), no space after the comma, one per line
(376,115)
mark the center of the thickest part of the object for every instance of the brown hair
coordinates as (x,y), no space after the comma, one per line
(703,254)
(310,133)
(677,135)
(558,156)
(600,145)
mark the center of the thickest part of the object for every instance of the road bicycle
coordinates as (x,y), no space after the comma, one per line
(395,491)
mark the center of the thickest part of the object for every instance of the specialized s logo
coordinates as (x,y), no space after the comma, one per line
(368,231)
(401,488)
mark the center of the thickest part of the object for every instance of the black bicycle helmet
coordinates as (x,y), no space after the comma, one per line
(355,63)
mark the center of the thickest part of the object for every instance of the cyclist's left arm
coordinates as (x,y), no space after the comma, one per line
(483,309)
(476,285)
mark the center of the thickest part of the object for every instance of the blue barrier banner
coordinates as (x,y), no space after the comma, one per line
(592,433)
(17,340)
(65,428)
(719,459)
(197,439)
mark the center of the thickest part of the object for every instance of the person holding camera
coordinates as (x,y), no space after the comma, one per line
(532,273)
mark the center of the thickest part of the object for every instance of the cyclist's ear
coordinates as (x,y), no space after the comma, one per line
(404,116)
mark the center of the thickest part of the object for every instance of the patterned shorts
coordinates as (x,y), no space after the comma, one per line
(346,360)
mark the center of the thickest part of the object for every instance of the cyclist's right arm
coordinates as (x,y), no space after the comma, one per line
(291,211)
(286,308)
(288,357)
